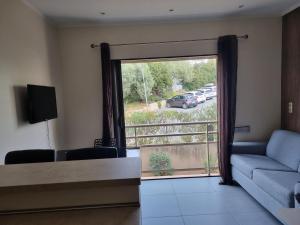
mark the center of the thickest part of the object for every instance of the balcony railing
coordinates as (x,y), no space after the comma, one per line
(147,136)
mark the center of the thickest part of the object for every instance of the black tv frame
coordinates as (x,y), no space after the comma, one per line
(42,104)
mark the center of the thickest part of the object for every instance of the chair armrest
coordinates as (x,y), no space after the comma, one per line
(297,195)
(257,148)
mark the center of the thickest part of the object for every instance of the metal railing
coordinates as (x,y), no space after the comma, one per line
(202,132)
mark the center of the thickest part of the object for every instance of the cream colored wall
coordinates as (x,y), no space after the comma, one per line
(28,54)
(258,94)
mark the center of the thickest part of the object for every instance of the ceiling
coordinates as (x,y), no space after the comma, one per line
(117,11)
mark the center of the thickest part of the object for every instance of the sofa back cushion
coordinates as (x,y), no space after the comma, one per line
(284,147)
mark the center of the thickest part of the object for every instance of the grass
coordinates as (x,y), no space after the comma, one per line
(134,107)
(141,106)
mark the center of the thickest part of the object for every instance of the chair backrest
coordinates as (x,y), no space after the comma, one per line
(92,153)
(284,147)
(30,156)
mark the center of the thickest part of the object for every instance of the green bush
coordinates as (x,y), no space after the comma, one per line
(170,116)
(160,164)
(159,104)
(154,98)
(162,117)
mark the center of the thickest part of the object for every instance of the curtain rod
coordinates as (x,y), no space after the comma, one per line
(246,36)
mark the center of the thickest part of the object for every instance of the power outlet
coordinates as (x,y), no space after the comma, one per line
(242,129)
(290,107)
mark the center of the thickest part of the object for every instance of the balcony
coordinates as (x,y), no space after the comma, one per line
(176,149)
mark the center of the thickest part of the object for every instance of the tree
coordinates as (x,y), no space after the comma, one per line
(205,73)
(162,76)
(182,71)
(201,73)
(155,79)
(144,80)
(129,83)
(137,82)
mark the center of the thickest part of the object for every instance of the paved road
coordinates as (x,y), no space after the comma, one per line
(199,107)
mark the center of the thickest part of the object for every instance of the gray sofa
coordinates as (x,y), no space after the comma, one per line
(270,172)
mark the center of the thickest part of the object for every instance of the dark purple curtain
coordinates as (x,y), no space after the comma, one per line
(118,108)
(107,92)
(227,79)
(113,109)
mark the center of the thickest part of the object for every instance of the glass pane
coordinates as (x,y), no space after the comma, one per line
(175,138)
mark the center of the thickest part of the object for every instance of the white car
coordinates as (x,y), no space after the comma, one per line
(208,92)
(200,98)
(209,85)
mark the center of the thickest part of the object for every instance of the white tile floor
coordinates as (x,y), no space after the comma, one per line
(200,201)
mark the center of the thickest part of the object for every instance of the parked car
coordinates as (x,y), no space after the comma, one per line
(210,85)
(200,98)
(182,101)
(208,92)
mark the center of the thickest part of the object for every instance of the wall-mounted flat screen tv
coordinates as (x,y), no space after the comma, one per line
(41,103)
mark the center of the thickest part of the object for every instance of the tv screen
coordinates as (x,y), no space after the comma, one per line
(41,103)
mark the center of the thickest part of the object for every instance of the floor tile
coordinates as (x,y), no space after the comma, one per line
(156,187)
(191,185)
(258,218)
(213,180)
(163,221)
(197,201)
(217,219)
(201,203)
(214,184)
(243,203)
(159,206)
(226,188)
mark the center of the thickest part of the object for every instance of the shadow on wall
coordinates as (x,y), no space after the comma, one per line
(54,69)
(20,93)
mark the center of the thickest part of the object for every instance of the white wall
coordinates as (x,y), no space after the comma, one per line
(259,69)
(28,54)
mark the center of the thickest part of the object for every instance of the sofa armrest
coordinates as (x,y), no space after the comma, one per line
(257,148)
(297,195)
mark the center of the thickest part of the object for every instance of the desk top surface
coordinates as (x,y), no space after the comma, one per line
(103,171)
(291,216)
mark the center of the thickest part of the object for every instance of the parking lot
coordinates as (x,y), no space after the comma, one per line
(199,107)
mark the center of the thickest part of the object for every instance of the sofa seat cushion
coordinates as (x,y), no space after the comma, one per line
(246,163)
(284,147)
(279,184)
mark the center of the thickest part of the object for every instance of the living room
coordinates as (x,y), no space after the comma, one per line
(48,43)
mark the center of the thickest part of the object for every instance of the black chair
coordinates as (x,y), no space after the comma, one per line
(30,156)
(102,142)
(92,153)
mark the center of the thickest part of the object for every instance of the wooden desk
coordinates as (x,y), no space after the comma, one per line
(105,216)
(69,184)
(290,216)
